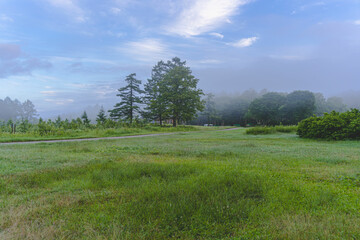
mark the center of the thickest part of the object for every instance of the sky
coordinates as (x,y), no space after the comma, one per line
(65,55)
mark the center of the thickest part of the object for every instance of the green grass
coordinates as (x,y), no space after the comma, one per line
(200,185)
(99,132)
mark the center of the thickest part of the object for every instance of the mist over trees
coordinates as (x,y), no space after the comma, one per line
(266,108)
(171,95)
(16,110)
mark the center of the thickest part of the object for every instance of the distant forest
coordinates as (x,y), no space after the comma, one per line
(16,110)
(266,108)
(248,108)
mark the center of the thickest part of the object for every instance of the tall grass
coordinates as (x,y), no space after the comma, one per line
(203,185)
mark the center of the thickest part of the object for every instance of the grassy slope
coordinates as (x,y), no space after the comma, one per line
(200,185)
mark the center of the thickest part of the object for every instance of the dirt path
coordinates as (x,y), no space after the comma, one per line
(103,138)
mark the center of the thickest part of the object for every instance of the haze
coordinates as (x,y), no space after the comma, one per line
(65,55)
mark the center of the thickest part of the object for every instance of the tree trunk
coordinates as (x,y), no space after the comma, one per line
(174,122)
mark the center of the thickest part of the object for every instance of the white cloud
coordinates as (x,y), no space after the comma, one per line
(203,16)
(48,93)
(147,50)
(209,61)
(60,101)
(287,57)
(218,35)
(79,60)
(71,8)
(115,10)
(357,22)
(6,18)
(245,42)
(308,6)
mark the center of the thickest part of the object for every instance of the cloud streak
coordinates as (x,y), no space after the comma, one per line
(245,42)
(71,8)
(204,16)
(146,50)
(218,35)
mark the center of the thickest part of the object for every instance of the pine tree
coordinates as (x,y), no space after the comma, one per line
(101,117)
(130,100)
(85,119)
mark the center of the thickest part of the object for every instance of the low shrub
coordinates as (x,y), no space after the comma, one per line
(331,126)
(261,130)
(271,130)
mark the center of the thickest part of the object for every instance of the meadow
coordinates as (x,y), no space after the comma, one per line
(198,185)
(97,132)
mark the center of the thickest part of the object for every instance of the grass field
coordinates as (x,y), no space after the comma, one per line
(200,185)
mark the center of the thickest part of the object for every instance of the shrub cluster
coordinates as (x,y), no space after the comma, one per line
(65,127)
(332,126)
(270,130)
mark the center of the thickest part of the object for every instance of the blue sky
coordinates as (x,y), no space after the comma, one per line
(65,55)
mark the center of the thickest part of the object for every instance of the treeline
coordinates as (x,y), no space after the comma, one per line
(16,110)
(266,108)
(171,96)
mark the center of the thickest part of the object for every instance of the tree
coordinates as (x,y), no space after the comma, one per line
(101,117)
(85,119)
(28,111)
(323,105)
(210,112)
(130,100)
(336,104)
(266,109)
(298,106)
(155,107)
(178,90)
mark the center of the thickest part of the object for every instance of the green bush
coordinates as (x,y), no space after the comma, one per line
(332,126)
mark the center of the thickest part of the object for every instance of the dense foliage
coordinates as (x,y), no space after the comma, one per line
(333,126)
